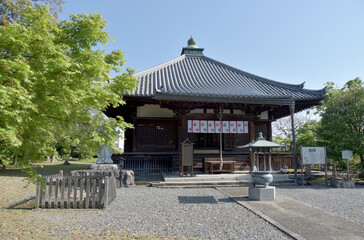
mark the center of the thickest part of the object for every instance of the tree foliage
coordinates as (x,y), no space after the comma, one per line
(342,124)
(303,122)
(55,83)
(10,10)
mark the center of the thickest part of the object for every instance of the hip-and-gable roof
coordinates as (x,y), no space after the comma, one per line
(195,77)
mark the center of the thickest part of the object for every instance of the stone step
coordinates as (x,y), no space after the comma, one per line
(200,184)
(196,184)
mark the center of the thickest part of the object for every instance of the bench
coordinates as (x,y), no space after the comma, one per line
(209,164)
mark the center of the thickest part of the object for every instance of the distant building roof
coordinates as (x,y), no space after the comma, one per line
(195,77)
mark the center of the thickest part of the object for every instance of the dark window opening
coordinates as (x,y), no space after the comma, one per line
(155,135)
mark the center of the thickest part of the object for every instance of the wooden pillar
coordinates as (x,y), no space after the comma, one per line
(292,110)
(181,116)
(134,136)
(269,131)
(184,126)
(251,139)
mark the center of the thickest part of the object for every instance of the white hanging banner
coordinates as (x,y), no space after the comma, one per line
(196,126)
(233,127)
(213,126)
(210,126)
(240,126)
(225,127)
(203,126)
(217,126)
(189,126)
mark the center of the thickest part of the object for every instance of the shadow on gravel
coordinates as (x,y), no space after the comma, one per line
(240,199)
(197,199)
(225,200)
(26,204)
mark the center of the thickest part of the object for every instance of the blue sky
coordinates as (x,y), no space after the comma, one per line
(312,41)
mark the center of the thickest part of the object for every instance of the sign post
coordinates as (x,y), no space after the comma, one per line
(347,154)
(314,155)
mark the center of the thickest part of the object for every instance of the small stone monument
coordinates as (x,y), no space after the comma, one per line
(128,178)
(104,156)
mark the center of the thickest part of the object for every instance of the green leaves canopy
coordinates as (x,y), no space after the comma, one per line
(52,77)
(342,123)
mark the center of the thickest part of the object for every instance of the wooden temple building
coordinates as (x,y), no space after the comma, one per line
(184,97)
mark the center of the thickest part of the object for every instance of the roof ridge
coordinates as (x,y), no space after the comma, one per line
(155,68)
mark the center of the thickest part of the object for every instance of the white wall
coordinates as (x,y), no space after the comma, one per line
(151,110)
(263,115)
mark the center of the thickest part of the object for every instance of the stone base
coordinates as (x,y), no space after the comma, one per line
(105,166)
(128,178)
(342,183)
(262,193)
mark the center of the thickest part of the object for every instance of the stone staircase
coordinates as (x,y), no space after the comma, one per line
(173,180)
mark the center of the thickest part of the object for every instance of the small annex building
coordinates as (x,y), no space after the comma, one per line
(184,97)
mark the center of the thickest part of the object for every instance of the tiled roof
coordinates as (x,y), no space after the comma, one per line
(197,76)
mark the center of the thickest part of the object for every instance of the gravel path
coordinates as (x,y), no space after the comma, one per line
(344,202)
(187,213)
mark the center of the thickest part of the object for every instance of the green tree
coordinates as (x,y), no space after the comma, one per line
(342,123)
(307,135)
(303,124)
(10,10)
(52,78)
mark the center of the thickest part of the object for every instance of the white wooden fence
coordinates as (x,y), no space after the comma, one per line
(60,191)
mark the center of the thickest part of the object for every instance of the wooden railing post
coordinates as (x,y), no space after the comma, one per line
(50,188)
(75,183)
(38,194)
(106,192)
(82,183)
(69,190)
(87,193)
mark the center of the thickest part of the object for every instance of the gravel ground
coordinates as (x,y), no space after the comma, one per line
(185,213)
(348,203)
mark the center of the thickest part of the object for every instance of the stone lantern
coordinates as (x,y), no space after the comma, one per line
(260,189)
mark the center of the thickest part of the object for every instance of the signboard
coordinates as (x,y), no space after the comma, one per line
(313,155)
(347,154)
(213,126)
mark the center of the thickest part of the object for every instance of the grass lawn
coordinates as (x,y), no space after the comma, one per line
(47,168)
(15,187)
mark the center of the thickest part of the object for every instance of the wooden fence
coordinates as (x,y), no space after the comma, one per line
(60,191)
(281,160)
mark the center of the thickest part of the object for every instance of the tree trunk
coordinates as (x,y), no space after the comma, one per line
(15,161)
(361,175)
(53,158)
(66,162)
(334,171)
(1,162)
